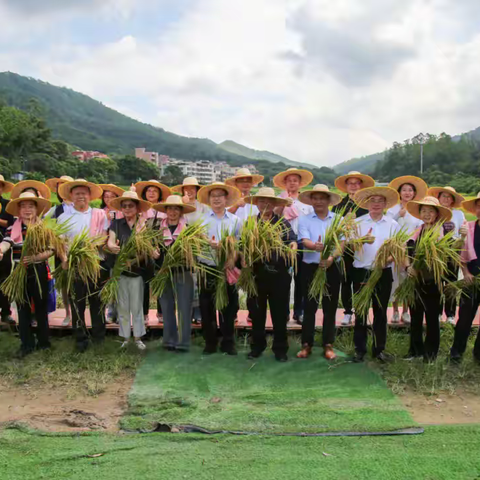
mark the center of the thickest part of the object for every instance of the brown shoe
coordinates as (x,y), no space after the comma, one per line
(305,352)
(328,352)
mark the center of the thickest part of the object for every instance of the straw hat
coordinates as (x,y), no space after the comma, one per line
(65,189)
(110,187)
(43,205)
(174,201)
(141,186)
(341,182)
(420,186)
(40,187)
(244,173)
(7,186)
(233,193)
(306,196)
(143,205)
(52,183)
(269,194)
(469,205)
(413,208)
(362,196)
(187,182)
(436,191)
(305,177)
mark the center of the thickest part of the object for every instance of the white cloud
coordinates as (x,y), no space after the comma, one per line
(314,80)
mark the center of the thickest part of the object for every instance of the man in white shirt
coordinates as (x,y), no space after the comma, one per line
(81,217)
(377,227)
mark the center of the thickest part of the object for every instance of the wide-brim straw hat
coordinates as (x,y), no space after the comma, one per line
(7,186)
(469,205)
(267,193)
(306,177)
(43,205)
(141,186)
(233,193)
(52,183)
(187,182)
(362,196)
(142,205)
(174,201)
(65,189)
(436,191)
(244,173)
(109,187)
(40,187)
(413,208)
(420,186)
(341,182)
(306,196)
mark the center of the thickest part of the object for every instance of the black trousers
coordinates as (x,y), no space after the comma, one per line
(329,304)
(78,301)
(469,303)
(298,299)
(39,296)
(451,303)
(347,284)
(380,299)
(429,305)
(273,287)
(209,316)
(146,300)
(5,269)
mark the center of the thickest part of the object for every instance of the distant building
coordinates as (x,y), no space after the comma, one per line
(84,155)
(152,157)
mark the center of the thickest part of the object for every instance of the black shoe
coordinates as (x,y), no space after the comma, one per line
(359,357)
(232,352)
(281,358)
(298,318)
(169,348)
(383,357)
(181,350)
(22,353)
(208,351)
(9,319)
(81,347)
(251,355)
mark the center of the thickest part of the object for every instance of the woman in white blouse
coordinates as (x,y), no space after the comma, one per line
(409,188)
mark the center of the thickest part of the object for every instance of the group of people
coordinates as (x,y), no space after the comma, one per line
(307,215)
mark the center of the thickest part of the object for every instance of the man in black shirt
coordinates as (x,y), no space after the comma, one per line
(350,184)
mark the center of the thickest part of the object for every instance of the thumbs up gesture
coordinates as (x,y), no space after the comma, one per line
(132,188)
(369,238)
(319,245)
(402,211)
(463,230)
(213,242)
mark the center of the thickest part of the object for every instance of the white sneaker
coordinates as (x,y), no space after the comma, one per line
(396,317)
(140,345)
(124,344)
(451,320)
(406,318)
(66,322)
(347,319)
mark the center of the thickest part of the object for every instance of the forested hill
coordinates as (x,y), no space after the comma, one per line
(86,123)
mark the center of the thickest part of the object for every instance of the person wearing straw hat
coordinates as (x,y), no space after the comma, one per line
(218,221)
(350,184)
(6,220)
(154,192)
(376,228)
(272,280)
(182,288)
(188,190)
(409,188)
(82,217)
(428,302)
(470,298)
(311,231)
(37,188)
(131,282)
(28,208)
(291,181)
(244,181)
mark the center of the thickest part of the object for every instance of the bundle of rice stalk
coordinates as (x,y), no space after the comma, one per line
(190,246)
(394,247)
(41,236)
(83,262)
(139,248)
(462,287)
(334,235)
(433,254)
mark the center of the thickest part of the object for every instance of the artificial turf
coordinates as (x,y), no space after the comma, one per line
(448,453)
(220,392)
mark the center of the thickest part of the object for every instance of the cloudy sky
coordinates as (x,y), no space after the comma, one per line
(318,81)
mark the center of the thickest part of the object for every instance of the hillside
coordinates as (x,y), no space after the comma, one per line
(88,124)
(362,164)
(234,147)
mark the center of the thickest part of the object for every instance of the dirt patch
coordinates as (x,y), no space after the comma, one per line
(53,410)
(443,409)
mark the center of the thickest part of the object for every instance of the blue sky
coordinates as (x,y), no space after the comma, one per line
(313,80)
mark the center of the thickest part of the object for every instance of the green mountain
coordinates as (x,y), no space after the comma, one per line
(361,164)
(234,147)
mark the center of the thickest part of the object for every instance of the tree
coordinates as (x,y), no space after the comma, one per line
(132,169)
(173,175)
(98,170)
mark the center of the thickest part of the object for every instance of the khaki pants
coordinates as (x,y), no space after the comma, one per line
(130,306)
